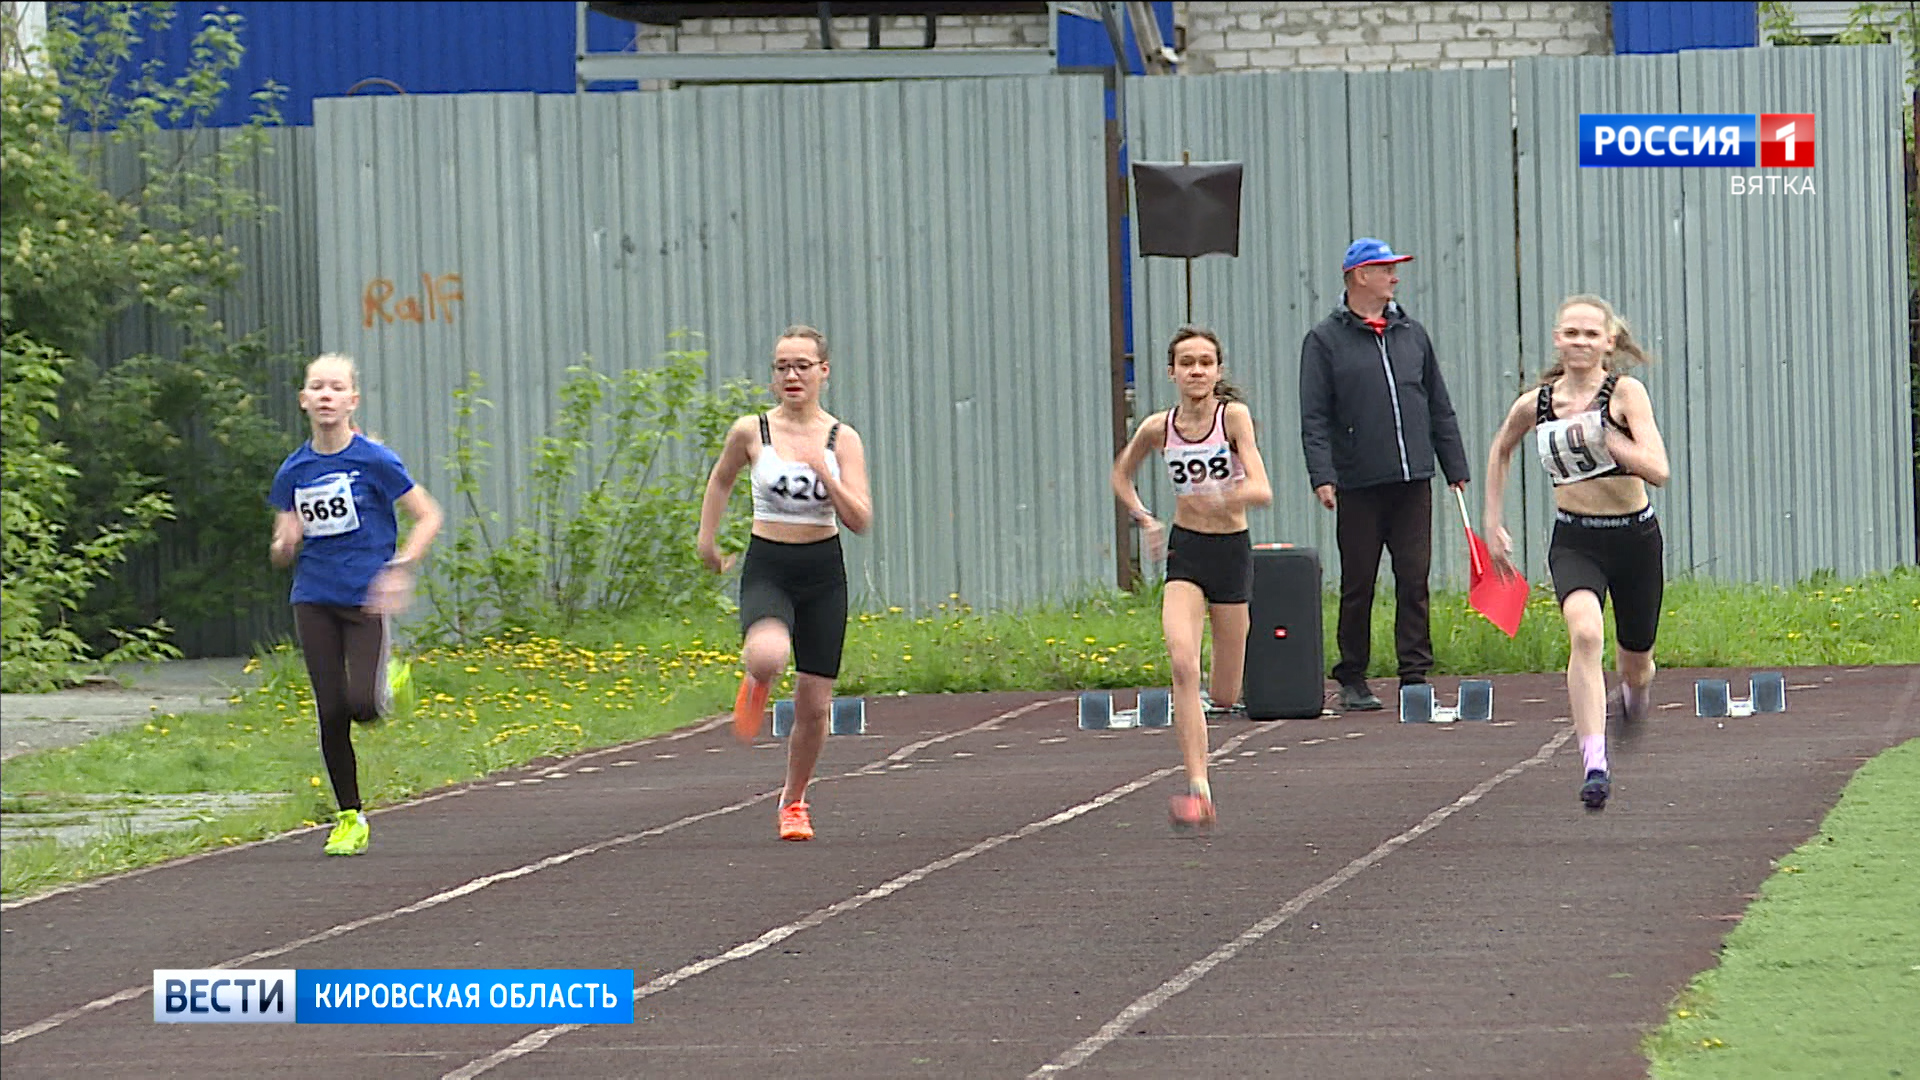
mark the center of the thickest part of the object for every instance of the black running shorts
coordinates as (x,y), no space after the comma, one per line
(1617,556)
(1220,563)
(805,587)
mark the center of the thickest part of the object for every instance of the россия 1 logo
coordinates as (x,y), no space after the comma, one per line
(1704,140)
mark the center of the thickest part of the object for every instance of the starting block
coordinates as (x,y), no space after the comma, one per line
(1155,710)
(849,717)
(1766,693)
(1417,704)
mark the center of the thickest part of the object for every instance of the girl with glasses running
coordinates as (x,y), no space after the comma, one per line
(809,477)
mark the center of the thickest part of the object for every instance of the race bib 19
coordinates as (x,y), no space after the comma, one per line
(326,508)
(1575,448)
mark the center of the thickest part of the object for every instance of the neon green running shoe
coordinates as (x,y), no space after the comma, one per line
(400,697)
(350,834)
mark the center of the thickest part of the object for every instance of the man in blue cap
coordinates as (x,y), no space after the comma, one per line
(1374,414)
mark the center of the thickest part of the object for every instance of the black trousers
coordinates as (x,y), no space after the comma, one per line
(1399,518)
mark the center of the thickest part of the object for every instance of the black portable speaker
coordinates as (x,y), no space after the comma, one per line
(1285,652)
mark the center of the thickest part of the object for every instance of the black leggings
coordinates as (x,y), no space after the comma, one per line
(346,653)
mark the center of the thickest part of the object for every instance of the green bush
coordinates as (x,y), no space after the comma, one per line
(612,504)
(43,575)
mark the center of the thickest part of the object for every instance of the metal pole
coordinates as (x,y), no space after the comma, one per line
(1186,158)
(1124,571)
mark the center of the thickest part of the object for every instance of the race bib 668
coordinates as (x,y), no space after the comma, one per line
(326,508)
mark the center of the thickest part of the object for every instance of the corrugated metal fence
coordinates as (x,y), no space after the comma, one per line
(1423,159)
(280,292)
(279,296)
(1777,319)
(950,238)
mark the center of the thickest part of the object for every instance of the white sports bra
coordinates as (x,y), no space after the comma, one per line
(1207,464)
(787,491)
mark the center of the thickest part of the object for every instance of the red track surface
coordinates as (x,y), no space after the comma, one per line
(994,892)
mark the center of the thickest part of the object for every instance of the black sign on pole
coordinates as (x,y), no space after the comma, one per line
(1184,210)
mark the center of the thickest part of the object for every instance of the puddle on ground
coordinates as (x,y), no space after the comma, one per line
(74,819)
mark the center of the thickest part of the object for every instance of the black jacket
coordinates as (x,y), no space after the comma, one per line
(1355,432)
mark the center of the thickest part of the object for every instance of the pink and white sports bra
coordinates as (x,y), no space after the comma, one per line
(787,491)
(1204,465)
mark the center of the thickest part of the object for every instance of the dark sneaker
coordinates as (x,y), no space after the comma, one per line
(1593,793)
(1626,722)
(1358,699)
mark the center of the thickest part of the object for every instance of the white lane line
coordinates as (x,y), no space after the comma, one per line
(541,1038)
(132,992)
(1161,994)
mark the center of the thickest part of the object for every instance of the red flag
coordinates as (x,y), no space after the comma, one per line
(1502,598)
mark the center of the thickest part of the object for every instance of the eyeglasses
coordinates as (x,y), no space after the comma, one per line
(795,368)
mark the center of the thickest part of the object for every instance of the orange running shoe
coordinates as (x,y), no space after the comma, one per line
(795,822)
(750,708)
(1191,811)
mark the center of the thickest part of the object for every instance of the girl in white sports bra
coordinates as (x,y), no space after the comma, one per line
(809,477)
(1214,465)
(1599,445)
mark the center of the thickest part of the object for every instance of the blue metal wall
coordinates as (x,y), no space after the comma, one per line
(324,49)
(426,47)
(1645,27)
(1082,43)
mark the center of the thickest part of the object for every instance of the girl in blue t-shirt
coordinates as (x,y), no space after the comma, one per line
(335,498)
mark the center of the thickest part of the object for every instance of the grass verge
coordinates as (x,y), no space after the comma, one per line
(525,696)
(1822,976)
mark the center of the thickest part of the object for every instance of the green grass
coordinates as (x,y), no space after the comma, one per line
(1822,976)
(527,695)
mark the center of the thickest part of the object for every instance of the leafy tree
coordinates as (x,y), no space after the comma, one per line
(104,457)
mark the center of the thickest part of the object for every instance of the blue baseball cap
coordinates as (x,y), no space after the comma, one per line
(1367,251)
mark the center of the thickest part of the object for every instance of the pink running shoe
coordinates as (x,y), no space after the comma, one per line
(1191,811)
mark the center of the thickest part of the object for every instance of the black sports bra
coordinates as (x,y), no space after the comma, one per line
(1602,403)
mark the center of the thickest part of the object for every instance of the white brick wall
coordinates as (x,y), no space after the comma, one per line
(896,32)
(1227,35)
(1252,35)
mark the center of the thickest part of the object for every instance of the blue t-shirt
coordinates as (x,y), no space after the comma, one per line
(345,502)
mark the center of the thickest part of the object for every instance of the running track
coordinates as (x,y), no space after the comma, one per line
(996,894)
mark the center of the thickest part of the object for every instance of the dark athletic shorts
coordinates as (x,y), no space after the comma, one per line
(805,587)
(1620,556)
(1220,563)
